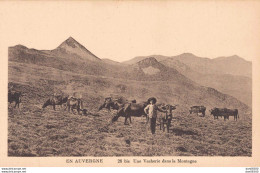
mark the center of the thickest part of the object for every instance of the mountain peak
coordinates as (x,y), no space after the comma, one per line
(72,48)
(149,60)
(187,54)
(71,42)
(231,58)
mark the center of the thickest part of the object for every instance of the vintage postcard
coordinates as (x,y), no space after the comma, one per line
(127,83)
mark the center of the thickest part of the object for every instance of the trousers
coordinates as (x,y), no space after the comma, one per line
(152,124)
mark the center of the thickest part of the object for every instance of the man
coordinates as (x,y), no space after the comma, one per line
(151,111)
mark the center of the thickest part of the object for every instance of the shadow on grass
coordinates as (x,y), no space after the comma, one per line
(180,132)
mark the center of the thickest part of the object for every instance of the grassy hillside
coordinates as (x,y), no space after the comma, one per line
(33,131)
(239,87)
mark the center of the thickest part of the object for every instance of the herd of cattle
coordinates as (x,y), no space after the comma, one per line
(124,108)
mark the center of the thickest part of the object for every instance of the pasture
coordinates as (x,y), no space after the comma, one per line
(33,131)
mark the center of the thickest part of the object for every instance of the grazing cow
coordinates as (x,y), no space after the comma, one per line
(224,112)
(55,100)
(198,109)
(130,109)
(75,103)
(167,117)
(14,96)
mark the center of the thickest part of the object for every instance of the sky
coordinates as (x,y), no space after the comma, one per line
(123,30)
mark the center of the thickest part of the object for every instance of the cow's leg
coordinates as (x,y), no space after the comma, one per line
(53,106)
(125,120)
(168,125)
(15,104)
(163,125)
(130,119)
(68,108)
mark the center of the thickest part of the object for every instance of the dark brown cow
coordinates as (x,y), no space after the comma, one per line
(128,110)
(224,112)
(55,100)
(14,96)
(198,109)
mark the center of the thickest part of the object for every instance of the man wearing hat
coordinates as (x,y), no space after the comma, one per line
(151,111)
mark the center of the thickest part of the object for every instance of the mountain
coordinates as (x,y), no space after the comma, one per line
(232,65)
(143,79)
(152,70)
(222,65)
(109,61)
(69,56)
(223,73)
(140,58)
(233,82)
(71,48)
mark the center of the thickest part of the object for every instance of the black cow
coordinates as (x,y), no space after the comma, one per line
(55,100)
(224,112)
(198,109)
(14,96)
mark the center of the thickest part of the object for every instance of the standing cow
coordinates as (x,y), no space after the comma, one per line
(75,103)
(166,119)
(224,112)
(14,96)
(55,100)
(198,109)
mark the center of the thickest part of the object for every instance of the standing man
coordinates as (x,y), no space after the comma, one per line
(151,111)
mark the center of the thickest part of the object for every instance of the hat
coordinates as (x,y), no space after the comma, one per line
(152,98)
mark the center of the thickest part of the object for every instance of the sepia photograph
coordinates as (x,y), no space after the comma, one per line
(157,82)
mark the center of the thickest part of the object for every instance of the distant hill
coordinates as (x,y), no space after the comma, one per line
(216,73)
(233,65)
(140,58)
(222,65)
(224,73)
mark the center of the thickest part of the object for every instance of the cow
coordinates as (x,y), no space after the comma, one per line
(198,109)
(108,104)
(14,96)
(167,117)
(114,104)
(224,112)
(55,100)
(130,109)
(75,103)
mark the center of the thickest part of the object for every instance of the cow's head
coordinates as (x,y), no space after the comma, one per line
(211,111)
(47,103)
(170,107)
